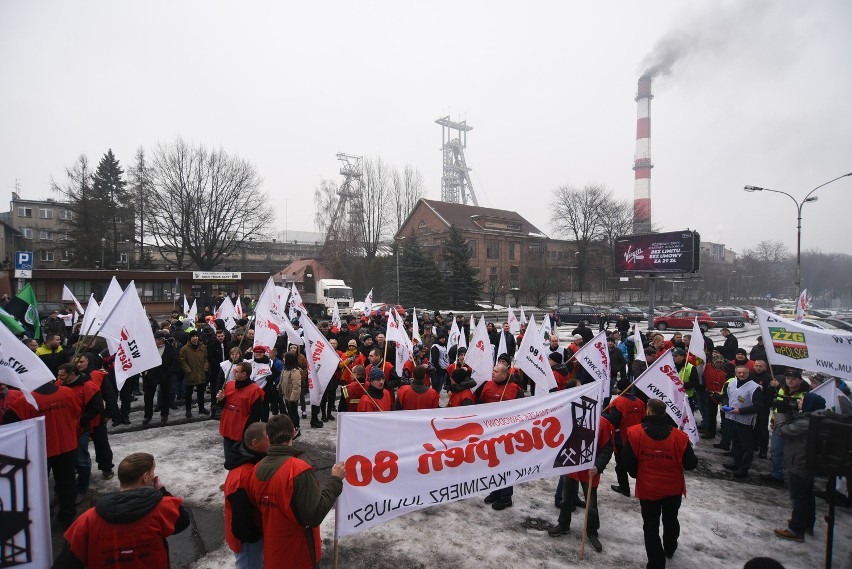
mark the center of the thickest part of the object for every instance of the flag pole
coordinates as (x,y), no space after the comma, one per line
(586,518)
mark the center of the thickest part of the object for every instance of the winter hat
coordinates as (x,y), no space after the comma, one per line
(459,375)
(461,350)
(376,373)
(678,352)
(741,351)
(812,402)
(793,372)
(555,356)
(577,337)
(505,358)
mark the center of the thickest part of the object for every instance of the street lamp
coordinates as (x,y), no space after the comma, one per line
(103,245)
(799,205)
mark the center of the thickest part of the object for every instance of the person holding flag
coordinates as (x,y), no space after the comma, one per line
(376,397)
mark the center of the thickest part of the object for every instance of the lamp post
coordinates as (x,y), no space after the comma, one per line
(103,245)
(808,198)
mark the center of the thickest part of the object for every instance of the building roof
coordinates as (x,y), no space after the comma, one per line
(295,271)
(476,218)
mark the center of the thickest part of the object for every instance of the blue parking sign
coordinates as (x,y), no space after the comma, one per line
(23,260)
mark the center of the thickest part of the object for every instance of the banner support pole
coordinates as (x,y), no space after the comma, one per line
(586,517)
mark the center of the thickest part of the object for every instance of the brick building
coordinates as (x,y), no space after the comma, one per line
(507,250)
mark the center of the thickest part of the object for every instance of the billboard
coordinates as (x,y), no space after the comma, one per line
(674,252)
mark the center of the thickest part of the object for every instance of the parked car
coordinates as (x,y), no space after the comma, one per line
(823,325)
(633,314)
(729,317)
(385,308)
(576,313)
(818,313)
(842,324)
(683,319)
(664,309)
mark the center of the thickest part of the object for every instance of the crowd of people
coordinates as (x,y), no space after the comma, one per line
(259,399)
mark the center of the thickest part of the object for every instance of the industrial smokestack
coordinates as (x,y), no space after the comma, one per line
(642,160)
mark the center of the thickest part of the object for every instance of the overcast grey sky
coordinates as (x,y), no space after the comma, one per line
(759,95)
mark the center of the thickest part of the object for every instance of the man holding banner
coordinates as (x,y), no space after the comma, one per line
(656,455)
(498,389)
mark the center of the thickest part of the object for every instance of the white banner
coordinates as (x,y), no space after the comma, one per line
(453,339)
(531,360)
(368,304)
(480,354)
(801,305)
(227,313)
(185,305)
(523,318)
(594,357)
(437,456)
(20,367)
(24,496)
(335,316)
(514,325)
(322,360)
(192,315)
(831,393)
(545,332)
(661,381)
(269,320)
(128,327)
(696,347)
(501,345)
(795,345)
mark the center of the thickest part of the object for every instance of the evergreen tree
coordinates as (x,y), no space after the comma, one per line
(84,232)
(115,210)
(460,281)
(420,281)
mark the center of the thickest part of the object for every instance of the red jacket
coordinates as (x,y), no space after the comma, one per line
(714,379)
(368,404)
(139,544)
(236,409)
(61,411)
(457,398)
(660,463)
(632,409)
(494,393)
(410,400)
(286,543)
(353,392)
(386,367)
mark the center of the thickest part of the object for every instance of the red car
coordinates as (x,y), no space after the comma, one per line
(683,319)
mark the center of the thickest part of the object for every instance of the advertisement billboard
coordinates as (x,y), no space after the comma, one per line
(673,252)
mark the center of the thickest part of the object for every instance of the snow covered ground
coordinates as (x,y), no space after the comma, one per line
(723,522)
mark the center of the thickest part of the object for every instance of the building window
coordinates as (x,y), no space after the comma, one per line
(472,245)
(536,247)
(25,211)
(492,275)
(553,255)
(45,235)
(65,237)
(511,247)
(81,289)
(27,232)
(65,255)
(154,291)
(47,256)
(492,249)
(514,277)
(422,228)
(66,214)
(45,213)
(122,258)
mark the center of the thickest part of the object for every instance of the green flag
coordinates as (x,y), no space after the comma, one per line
(11,322)
(23,307)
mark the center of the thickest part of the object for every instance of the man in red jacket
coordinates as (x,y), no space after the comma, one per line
(242,405)
(61,409)
(242,534)
(292,504)
(419,394)
(626,410)
(498,389)
(128,528)
(656,454)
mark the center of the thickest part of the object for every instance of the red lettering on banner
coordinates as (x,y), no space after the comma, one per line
(603,353)
(545,432)
(317,353)
(673,375)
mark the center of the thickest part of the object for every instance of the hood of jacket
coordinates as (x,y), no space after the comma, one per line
(128,505)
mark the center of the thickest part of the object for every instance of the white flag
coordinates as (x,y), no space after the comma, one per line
(128,326)
(269,321)
(395,331)
(514,324)
(546,331)
(185,305)
(661,381)
(110,299)
(322,360)
(192,315)
(20,367)
(831,393)
(227,313)
(462,337)
(696,347)
(594,357)
(368,304)
(402,355)
(501,346)
(91,323)
(480,354)
(531,360)
(801,305)
(238,308)
(68,296)
(335,316)
(453,340)
(638,346)
(415,327)
(523,318)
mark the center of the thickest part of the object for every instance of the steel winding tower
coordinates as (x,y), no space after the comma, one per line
(642,160)
(347,214)
(455,181)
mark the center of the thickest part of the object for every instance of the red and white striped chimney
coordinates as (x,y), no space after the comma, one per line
(642,160)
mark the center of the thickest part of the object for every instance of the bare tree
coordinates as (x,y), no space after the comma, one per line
(205,204)
(140,192)
(616,219)
(407,188)
(577,213)
(374,205)
(325,202)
